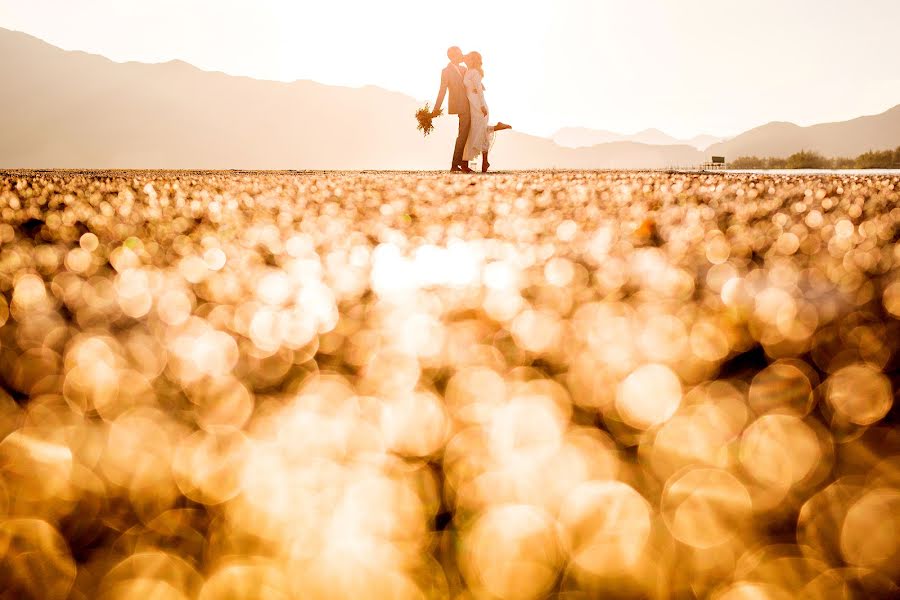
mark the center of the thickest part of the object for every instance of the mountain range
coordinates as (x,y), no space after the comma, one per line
(581,137)
(70,109)
(843,138)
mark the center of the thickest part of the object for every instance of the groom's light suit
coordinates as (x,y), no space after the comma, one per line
(452,80)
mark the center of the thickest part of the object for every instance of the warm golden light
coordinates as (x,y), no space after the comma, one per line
(394,385)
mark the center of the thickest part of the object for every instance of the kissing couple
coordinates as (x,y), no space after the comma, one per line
(467,101)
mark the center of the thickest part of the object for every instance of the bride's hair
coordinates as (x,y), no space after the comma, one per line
(473,61)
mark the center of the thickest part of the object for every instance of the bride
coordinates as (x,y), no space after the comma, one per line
(481,135)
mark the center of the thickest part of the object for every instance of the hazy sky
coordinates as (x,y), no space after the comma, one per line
(684,66)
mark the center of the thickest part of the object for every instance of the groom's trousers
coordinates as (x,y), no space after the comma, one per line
(465,121)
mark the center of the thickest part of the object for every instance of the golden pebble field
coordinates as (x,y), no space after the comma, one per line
(394,385)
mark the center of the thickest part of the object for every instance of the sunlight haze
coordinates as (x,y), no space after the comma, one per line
(685,67)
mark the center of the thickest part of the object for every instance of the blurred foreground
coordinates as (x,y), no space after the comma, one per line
(408,385)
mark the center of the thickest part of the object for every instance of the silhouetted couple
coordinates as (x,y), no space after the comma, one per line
(467,101)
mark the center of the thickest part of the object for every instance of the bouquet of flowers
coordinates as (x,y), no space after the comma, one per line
(424,117)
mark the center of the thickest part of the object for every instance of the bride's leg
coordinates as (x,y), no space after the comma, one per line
(485,165)
(501,126)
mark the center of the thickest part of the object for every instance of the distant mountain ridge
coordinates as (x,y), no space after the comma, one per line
(62,109)
(844,138)
(581,137)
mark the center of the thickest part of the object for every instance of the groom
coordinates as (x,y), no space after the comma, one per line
(452,79)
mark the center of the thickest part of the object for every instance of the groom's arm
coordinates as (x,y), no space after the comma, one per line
(442,91)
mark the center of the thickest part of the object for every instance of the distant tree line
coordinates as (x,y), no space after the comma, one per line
(884,159)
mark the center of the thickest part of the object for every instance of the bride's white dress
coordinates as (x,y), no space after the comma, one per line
(481,134)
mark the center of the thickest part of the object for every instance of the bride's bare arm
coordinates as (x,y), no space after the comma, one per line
(479,99)
(475,96)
